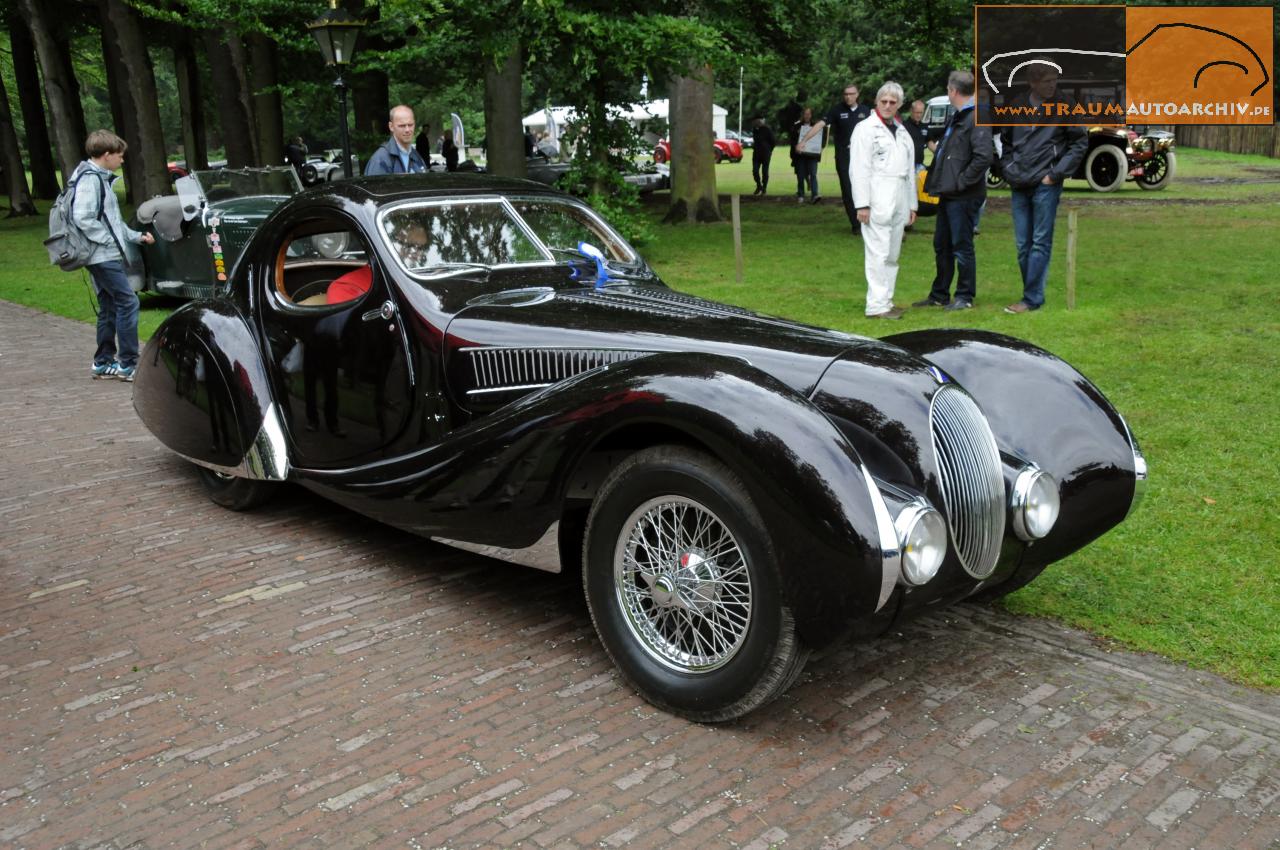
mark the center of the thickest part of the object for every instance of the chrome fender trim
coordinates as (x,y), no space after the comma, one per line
(268,457)
(544,554)
(890,548)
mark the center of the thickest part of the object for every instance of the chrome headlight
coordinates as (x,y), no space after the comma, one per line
(1034,503)
(922,533)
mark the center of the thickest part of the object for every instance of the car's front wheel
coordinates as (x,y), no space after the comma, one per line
(1158,171)
(233,492)
(684,588)
(1106,168)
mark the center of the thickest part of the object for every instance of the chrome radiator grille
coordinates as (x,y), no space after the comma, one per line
(972,483)
(495,369)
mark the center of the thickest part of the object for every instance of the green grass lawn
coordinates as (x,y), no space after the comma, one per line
(1177,321)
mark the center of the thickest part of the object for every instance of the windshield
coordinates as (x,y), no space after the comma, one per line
(446,235)
(219,184)
(562,226)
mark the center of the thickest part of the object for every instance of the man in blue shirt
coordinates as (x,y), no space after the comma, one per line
(398,155)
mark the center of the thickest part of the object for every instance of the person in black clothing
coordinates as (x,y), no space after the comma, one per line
(762,144)
(918,131)
(958,177)
(842,118)
(295,153)
(450,151)
(423,144)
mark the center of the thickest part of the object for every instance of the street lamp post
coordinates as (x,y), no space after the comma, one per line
(336,31)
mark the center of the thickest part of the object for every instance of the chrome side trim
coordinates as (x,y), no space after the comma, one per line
(890,548)
(543,555)
(500,368)
(268,457)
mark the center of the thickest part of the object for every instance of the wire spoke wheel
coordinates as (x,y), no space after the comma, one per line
(682,584)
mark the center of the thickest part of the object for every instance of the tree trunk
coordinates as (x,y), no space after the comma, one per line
(150,175)
(44,179)
(693,166)
(266,99)
(194,148)
(504,134)
(11,158)
(58,90)
(237,129)
(122,117)
(62,37)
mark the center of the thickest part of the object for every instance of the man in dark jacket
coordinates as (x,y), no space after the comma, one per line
(762,144)
(918,132)
(398,155)
(958,177)
(1035,159)
(842,118)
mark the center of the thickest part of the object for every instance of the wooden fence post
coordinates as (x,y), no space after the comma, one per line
(737,234)
(1071,259)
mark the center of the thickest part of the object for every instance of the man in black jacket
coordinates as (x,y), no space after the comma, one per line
(958,177)
(762,142)
(1035,159)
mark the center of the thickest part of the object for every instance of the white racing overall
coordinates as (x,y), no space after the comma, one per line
(882,171)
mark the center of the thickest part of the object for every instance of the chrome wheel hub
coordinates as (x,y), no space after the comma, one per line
(682,584)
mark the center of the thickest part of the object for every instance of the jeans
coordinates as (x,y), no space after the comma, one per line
(806,172)
(1034,211)
(953,249)
(117,315)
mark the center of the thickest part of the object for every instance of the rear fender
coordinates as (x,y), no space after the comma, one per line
(201,388)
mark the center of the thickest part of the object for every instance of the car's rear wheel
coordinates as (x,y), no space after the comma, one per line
(1105,168)
(233,492)
(1158,171)
(683,586)
(659,155)
(719,154)
(310,174)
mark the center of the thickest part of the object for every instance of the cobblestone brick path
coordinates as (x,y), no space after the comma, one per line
(174,674)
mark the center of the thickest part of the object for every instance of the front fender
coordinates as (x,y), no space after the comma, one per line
(202,390)
(1044,411)
(504,479)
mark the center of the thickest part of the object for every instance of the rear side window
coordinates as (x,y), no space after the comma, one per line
(562,226)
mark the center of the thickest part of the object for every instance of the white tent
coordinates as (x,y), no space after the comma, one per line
(635,113)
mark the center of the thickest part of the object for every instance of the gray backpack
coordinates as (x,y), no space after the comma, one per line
(69,249)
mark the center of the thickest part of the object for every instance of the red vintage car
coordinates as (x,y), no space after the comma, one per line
(725,149)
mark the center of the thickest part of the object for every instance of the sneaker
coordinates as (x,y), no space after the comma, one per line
(959,304)
(125,373)
(1020,307)
(929,302)
(815,199)
(103,370)
(892,313)
(799,199)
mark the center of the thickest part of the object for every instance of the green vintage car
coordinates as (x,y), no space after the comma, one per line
(202,230)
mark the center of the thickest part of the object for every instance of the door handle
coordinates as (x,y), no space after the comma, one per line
(385,312)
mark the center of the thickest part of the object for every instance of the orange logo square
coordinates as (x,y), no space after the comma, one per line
(1199,64)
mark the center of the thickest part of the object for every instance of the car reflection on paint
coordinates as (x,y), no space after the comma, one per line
(488,363)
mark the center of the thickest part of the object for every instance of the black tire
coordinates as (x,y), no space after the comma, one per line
(233,493)
(719,155)
(310,174)
(659,155)
(701,631)
(1106,168)
(1158,171)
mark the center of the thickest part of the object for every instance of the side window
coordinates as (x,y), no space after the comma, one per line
(562,226)
(322,263)
(436,236)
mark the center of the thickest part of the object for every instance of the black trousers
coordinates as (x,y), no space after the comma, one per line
(760,170)
(846,188)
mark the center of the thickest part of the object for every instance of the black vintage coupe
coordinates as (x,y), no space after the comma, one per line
(487,362)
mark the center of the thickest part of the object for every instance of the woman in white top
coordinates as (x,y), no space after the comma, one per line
(807,155)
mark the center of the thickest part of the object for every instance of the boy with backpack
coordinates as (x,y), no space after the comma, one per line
(96,214)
